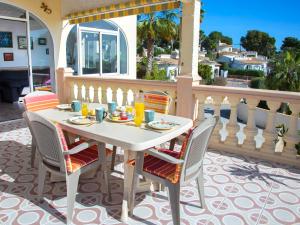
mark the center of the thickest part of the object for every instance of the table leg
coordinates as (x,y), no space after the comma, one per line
(128,175)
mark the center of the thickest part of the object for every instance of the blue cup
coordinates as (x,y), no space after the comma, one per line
(76,106)
(100,114)
(112,106)
(149,116)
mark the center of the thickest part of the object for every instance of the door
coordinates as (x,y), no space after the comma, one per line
(90,52)
(109,54)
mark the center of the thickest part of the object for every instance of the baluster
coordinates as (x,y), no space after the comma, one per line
(251,130)
(201,102)
(240,135)
(233,125)
(217,101)
(293,129)
(109,95)
(130,97)
(119,97)
(91,93)
(76,91)
(269,131)
(224,121)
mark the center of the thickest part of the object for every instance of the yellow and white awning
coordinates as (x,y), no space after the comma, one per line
(123,9)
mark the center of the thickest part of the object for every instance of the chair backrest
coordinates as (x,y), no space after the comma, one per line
(158,101)
(196,147)
(48,140)
(40,100)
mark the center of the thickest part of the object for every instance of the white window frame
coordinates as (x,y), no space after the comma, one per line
(101,32)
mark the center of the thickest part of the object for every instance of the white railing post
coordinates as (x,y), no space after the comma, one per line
(189,42)
(185,101)
(62,88)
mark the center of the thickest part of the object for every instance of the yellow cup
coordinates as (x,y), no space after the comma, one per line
(84,109)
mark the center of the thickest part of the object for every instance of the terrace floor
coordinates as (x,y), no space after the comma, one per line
(238,190)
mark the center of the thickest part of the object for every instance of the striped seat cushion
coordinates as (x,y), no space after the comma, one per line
(162,168)
(157,102)
(81,159)
(35,103)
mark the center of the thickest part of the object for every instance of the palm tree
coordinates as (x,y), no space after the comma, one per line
(285,74)
(156,26)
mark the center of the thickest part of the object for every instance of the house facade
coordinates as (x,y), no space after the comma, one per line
(103,47)
(250,64)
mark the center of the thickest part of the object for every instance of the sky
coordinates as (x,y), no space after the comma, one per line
(279,18)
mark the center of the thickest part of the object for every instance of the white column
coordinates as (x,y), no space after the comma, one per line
(190,38)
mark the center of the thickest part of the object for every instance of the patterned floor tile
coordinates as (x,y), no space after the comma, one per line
(238,190)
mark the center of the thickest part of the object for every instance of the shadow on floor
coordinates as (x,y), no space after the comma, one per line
(252,172)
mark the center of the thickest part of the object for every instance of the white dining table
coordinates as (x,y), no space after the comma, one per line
(130,138)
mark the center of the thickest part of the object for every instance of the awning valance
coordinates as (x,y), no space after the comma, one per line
(123,9)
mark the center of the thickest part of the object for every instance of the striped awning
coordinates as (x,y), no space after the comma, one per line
(123,9)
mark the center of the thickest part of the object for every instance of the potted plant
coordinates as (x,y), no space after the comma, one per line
(280,143)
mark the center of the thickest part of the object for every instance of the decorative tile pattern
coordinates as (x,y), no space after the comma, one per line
(238,190)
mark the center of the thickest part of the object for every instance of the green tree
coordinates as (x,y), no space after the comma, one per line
(260,42)
(285,72)
(156,26)
(290,44)
(202,37)
(205,73)
(212,40)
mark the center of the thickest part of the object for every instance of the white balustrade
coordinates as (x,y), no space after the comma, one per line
(254,132)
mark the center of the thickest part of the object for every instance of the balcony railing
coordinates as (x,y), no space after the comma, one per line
(243,128)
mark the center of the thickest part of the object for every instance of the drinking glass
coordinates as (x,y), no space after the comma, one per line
(139,113)
(84,109)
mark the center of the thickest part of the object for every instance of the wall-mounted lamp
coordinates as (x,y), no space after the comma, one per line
(46,8)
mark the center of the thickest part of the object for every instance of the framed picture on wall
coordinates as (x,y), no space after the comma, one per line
(22,42)
(6,39)
(8,56)
(42,41)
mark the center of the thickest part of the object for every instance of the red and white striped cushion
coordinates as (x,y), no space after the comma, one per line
(81,159)
(35,103)
(162,168)
(158,103)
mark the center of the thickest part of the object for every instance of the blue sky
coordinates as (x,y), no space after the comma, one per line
(279,18)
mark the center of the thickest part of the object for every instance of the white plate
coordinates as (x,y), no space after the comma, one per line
(64,106)
(80,120)
(161,125)
(119,121)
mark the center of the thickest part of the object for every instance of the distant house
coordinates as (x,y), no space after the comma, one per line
(245,60)
(223,47)
(215,67)
(169,64)
(227,57)
(250,64)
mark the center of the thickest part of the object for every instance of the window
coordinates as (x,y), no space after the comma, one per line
(102,49)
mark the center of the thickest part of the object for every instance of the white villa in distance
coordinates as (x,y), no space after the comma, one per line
(244,60)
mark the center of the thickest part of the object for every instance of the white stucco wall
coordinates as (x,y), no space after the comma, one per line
(39,56)
(128,26)
(59,29)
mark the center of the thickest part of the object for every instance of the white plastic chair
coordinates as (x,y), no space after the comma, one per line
(33,142)
(54,157)
(187,168)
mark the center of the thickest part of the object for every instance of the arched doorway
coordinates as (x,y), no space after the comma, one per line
(23,69)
